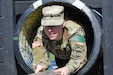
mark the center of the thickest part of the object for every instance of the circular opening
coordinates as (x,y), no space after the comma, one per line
(28,24)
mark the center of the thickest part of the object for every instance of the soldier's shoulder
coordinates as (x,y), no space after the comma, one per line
(40,29)
(72,23)
(39,32)
(72,26)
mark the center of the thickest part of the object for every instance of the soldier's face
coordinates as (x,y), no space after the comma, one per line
(54,32)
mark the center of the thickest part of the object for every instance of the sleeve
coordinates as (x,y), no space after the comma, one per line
(40,54)
(79,52)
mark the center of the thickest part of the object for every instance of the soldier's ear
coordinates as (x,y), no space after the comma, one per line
(64,23)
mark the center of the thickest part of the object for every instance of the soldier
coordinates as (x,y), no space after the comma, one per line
(64,39)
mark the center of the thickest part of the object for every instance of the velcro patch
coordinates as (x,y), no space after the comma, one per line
(79,38)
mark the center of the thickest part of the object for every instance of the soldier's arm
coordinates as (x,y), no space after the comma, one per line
(79,52)
(40,55)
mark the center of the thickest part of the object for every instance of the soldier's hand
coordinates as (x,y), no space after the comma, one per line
(39,68)
(62,71)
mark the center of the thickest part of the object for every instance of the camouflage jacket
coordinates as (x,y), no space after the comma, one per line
(72,46)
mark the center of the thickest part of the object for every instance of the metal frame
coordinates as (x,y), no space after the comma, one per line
(7,58)
(107,11)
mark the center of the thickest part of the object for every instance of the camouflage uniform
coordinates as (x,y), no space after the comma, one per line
(71,47)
